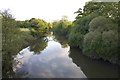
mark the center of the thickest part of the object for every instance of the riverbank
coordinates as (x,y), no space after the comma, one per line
(108,59)
(103,58)
(93,68)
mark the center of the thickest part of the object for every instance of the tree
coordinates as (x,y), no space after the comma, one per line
(79,29)
(102,40)
(62,27)
(13,40)
(38,27)
(92,29)
(9,42)
(106,9)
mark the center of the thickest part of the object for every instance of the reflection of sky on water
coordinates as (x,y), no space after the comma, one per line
(52,62)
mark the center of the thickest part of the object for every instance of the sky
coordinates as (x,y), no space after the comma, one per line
(48,10)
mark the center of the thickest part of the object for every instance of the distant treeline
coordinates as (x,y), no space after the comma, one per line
(38,27)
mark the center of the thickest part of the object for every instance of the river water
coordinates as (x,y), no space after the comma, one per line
(55,59)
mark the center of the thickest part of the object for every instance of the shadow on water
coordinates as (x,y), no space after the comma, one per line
(93,68)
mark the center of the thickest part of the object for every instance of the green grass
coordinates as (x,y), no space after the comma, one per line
(24,29)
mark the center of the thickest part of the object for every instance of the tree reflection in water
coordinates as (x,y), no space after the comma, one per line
(38,45)
(62,40)
(93,68)
(35,64)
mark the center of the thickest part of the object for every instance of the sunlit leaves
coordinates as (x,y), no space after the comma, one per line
(38,27)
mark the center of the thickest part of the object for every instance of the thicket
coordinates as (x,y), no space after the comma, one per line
(13,40)
(95,31)
(62,27)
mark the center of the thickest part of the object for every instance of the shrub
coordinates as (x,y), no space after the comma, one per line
(98,23)
(102,40)
(62,27)
(79,29)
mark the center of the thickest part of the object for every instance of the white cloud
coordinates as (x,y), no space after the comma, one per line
(44,9)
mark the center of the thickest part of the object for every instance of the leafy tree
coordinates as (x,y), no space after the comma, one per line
(107,9)
(20,24)
(98,23)
(62,27)
(92,29)
(13,40)
(38,27)
(79,29)
(92,42)
(9,33)
(102,40)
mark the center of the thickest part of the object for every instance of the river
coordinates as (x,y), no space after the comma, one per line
(53,58)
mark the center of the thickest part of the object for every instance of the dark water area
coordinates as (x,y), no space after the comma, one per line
(94,68)
(53,58)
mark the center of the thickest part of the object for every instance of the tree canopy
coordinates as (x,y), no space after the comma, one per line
(95,30)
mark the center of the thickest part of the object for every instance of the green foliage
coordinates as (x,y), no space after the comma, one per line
(102,40)
(107,9)
(110,42)
(13,40)
(98,23)
(62,40)
(62,27)
(75,39)
(23,24)
(102,24)
(38,45)
(79,29)
(95,30)
(92,42)
(38,27)
(19,24)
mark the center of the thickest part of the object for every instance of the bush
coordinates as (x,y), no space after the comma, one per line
(110,43)
(38,27)
(79,29)
(98,23)
(75,39)
(13,40)
(62,27)
(92,43)
(102,40)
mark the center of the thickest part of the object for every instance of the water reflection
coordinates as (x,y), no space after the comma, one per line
(62,40)
(53,62)
(53,58)
(38,45)
(93,68)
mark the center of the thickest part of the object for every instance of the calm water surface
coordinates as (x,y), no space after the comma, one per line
(52,62)
(57,60)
